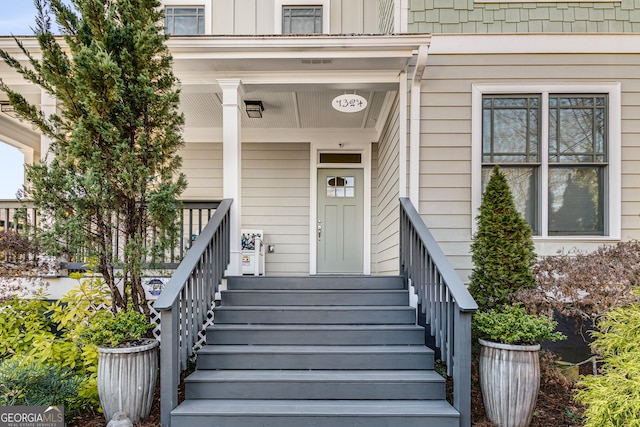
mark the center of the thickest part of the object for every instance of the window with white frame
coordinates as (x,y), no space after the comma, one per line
(296,17)
(184,20)
(301,19)
(560,153)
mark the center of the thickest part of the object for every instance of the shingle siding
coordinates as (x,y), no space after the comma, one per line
(467,16)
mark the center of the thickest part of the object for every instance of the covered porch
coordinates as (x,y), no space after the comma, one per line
(277,165)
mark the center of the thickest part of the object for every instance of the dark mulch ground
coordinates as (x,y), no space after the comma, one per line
(555,406)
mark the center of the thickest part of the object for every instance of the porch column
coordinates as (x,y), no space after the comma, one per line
(231,165)
(414,130)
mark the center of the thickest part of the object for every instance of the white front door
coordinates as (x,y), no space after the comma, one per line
(340,227)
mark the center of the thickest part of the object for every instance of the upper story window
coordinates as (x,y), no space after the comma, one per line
(184,20)
(301,19)
(297,17)
(560,153)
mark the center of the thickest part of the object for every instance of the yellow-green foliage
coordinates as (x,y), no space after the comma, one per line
(33,331)
(23,323)
(613,398)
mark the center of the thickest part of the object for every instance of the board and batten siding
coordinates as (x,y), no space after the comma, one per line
(275,199)
(252,17)
(387,206)
(445,195)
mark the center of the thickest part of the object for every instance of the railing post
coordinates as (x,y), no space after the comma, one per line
(169,361)
(462,366)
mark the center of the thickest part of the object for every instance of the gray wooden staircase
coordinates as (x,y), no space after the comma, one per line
(315,352)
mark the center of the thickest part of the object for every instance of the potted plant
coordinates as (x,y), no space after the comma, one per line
(504,255)
(509,364)
(127,362)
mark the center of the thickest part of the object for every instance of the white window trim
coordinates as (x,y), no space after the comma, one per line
(277,15)
(208,10)
(613,209)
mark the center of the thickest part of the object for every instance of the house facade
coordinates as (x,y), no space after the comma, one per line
(357,103)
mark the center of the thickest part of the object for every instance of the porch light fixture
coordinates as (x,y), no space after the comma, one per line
(254,109)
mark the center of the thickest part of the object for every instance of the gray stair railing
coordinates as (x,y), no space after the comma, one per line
(185,301)
(444,299)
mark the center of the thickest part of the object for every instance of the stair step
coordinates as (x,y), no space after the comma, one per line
(221,334)
(315,282)
(296,384)
(337,315)
(316,413)
(315,297)
(314,357)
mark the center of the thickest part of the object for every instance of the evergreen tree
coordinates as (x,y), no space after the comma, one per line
(112,175)
(502,251)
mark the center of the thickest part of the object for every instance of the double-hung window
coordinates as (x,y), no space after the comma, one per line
(184,20)
(560,152)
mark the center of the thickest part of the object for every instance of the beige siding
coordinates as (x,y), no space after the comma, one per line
(387,196)
(250,17)
(275,198)
(202,165)
(445,179)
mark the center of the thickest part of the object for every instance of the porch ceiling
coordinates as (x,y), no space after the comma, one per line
(296,78)
(284,110)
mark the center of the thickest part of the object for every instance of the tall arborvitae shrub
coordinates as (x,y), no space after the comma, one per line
(113,170)
(502,251)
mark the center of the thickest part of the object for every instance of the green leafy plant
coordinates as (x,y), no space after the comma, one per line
(117,330)
(613,398)
(512,325)
(34,383)
(502,251)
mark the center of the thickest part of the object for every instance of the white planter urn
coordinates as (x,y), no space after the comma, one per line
(127,378)
(509,380)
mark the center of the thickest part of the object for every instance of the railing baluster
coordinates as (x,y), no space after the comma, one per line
(447,301)
(186,299)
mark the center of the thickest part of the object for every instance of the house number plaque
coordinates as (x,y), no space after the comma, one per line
(349,103)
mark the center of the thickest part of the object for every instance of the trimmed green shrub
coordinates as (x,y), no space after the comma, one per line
(502,251)
(613,398)
(33,383)
(115,330)
(512,325)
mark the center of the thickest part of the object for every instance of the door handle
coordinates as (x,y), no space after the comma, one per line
(319,232)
